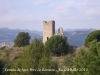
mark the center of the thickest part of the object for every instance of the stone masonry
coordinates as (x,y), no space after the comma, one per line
(48,30)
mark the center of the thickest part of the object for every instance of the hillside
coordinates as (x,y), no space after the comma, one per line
(7,36)
(75,37)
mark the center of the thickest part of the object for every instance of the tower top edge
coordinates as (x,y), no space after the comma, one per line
(48,21)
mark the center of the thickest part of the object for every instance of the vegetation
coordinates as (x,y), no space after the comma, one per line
(36,58)
(1,67)
(2,48)
(57,45)
(7,57)
(68,59)
(95,35)
(22,40)
(87,62)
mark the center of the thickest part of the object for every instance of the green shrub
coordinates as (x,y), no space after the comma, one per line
(95,35)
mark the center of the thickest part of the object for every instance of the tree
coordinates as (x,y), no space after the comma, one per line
(88,61)
(57,45)
(4,63)
(30,58)
(22,39)
(34,57)
(1,67)
(95,35)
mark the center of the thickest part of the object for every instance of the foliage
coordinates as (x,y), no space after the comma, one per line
(7,57)
(22,39)
(11,53)
(88,61)
(7,64)
(57,45)
(36,58)
(2,48)
(1,67)
(30,58)
(68,59)
(95,35)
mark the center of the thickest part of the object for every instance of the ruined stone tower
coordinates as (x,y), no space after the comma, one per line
(48,30)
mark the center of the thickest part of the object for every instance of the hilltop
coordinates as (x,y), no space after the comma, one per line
(75,37)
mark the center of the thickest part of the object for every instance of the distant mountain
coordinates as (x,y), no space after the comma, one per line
(80,29)
(8,35)
(75,37)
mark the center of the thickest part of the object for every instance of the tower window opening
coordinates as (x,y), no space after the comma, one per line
(47,38)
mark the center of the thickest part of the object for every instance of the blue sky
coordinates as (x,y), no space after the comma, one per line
(69,14)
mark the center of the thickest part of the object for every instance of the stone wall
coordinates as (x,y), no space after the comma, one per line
(48,30)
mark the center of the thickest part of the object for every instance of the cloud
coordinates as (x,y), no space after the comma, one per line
(19,11)
(76,13)
(18,17)
(73,9)
(39,2)
(70,12)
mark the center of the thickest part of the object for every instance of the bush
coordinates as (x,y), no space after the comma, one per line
(88,61)
(2,48)
(22,40)
(35,57)
(95,35)
(57,45)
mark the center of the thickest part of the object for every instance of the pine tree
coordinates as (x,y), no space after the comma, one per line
(88,60)
(22,39)
(95,35)
(30,59)
(57,45)
(37,58)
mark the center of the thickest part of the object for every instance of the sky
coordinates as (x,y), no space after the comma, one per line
(68,14)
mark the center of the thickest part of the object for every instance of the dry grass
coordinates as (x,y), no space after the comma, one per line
(11,53)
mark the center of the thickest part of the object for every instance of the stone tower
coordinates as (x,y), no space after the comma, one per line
(48,30)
